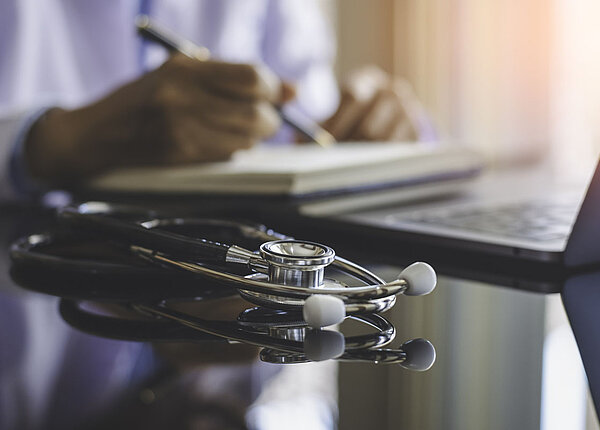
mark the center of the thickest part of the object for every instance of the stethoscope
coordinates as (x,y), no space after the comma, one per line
(282,338)
(285,274)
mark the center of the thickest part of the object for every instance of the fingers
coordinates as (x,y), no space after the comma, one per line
(205,111)
(193,142)
(288,92)
(374,107)
(387,118)
(251,117)
(357,93)
(236,98)
(230,79)
(380,118)
(258,119)
(344,121)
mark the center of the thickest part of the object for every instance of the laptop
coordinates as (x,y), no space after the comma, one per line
(514,214)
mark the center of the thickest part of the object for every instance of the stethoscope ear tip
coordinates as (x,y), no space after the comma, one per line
(320,345)
(420,354)
(420,277)
(320,310)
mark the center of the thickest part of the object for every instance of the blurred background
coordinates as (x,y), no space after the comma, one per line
(516,79)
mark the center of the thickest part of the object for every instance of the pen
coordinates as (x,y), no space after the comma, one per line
(174,43)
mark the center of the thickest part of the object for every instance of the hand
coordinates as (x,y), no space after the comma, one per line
(186,111)
(374,106)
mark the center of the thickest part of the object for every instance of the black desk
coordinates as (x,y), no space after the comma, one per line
(505,360)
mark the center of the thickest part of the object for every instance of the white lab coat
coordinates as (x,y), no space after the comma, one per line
(71,52)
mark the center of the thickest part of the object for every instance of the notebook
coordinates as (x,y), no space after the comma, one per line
(302,171)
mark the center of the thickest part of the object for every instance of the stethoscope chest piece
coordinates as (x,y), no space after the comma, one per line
(293,263)
(296,263)
(302,264)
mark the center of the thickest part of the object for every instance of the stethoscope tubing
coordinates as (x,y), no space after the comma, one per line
(102,280)
(160,241)
(107,281)
(176,250)
(133,232)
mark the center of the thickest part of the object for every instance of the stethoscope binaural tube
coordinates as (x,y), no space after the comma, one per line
(89,218)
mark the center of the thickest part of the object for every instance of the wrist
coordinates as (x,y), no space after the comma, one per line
(43,152)
(53,149)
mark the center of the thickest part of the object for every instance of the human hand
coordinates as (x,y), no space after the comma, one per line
(185,111)
(375,106)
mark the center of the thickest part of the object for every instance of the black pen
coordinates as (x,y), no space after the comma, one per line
(174,43)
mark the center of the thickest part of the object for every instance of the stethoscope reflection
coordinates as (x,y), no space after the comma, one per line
(283,337)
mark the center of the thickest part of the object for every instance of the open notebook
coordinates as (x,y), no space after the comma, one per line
(301,170)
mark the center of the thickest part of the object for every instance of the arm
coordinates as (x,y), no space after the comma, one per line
(185,111)
(14,126)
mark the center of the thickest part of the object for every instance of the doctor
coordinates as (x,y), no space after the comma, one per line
(80,92)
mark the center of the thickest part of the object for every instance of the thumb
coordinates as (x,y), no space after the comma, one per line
(287,92)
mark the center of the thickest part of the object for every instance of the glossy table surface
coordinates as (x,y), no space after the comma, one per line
(506,359)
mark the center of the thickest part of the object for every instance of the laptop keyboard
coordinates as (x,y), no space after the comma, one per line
(537,220)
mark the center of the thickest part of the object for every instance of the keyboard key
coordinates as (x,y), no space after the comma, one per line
(540,220)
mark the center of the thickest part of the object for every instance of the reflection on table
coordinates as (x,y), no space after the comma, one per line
(501,353)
